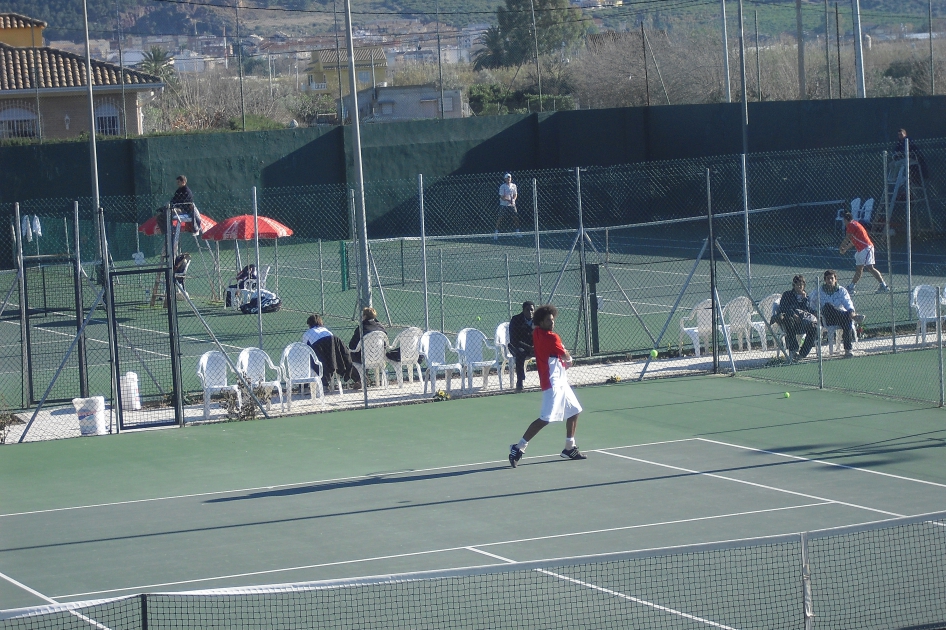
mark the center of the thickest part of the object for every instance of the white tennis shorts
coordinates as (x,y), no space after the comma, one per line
(559,403)
(864,257)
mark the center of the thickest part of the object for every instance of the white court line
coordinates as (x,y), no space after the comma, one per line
(608,591)
(826,463)
(750,483)
(50,600)
(431,552)
(301,483)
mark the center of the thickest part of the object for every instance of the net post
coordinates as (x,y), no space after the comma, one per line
(423,249)
(538,247)
(807,599)
(24,314)
(321,279)
(939,343)
(77,280)
(144,610)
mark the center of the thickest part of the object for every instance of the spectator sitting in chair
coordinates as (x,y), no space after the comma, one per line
(837,308)
(183,198)
(370,324)
(316,331)
(520,340)
(796,317)
(331,351)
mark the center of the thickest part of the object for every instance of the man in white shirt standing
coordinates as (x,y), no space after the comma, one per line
(507,205)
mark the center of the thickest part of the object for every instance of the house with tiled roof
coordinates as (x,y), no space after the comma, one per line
(371,67)
(44,93)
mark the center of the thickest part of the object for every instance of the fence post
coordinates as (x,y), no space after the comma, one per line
(170,299)
(80,310)
(423,250)
(893,315)
(906,159)
(508,289)
(443,325)
(745,213)
(818,344)
(321,279)
(585,307)
(712,240)
(24,315)
(538,247)
(259,271)
(939,342)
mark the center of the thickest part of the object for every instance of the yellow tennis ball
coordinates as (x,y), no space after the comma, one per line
(786,395)
(653,354)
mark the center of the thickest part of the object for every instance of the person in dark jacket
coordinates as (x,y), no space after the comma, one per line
(183,198)
(797,317)
(370,324)
(520,340)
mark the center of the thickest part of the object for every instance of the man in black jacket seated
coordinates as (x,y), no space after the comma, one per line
(797,317)
(520,340)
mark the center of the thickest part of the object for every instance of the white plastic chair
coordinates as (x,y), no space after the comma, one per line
(737,320)
(767,307)
(373,348)
(434,346)
(212,371)
(867,211)
(855,212)
(702,316)
(470,345)
(506,358)
(832,333)
(252,363)
(923,301)
(408,340)
(296,365)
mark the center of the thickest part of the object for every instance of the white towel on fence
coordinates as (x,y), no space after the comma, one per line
(37,228)
(25,229)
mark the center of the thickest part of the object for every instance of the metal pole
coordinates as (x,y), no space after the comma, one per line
(932,80)
(725,52)
(818,343)
(24,312)
(893,317)
(586,307)
(538,247)
(837,34)
(827,47)
(423,248)
(508,289)
(110,321)
(939,343)
(338,66)
(77,279)
(359,170)
(644,59)
(259,271)
(745,89)
(715,324)
(906,161)
(236,5)
(858,51)
(321,279)
(440,59)
(538,72)
(758,58)
(653,58)
(800,38)
(745,221)
(443,324)
(93,154)
(35,79)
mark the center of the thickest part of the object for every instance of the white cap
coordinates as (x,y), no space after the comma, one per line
(507,176)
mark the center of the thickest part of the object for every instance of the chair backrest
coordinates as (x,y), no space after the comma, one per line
(703,314)
(297,360)
(924,301)
(470,344)
(768,305)
(738,312)
(434,346)
(212,369)
(251,283)
(502,334)
(252,362)
(408,340)
(373,348)
(867,211)
(855,207)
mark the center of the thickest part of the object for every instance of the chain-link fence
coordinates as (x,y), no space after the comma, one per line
(657,269)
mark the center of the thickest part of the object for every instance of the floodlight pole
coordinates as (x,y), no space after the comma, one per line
(359,170)
(859,51)
(93,155)
(726,53)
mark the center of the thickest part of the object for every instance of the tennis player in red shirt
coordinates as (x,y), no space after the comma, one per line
(558,400)
(856,236)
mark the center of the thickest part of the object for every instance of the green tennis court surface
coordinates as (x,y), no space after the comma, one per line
(421,487)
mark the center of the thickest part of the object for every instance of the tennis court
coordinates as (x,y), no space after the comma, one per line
(427,487)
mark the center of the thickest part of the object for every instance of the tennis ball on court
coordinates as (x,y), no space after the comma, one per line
(653,354)
(478,318)
(786,395)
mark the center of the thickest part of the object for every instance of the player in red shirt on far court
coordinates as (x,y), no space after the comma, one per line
(855,235)
(558,400)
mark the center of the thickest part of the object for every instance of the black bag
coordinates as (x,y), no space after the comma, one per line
(270,305)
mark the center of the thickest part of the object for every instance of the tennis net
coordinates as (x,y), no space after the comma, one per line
(884,574)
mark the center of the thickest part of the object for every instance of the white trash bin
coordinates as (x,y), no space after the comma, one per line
(131,400)
(91,412)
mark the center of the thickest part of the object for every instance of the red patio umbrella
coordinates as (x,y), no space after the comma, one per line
(150,227)
(241,229)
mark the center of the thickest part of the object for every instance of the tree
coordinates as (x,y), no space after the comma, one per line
(493,54)
(557,24)
(158,63)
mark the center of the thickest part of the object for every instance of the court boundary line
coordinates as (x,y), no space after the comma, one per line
(752,483)
(449,549)
(301,483)
(50,600)
(824,462)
